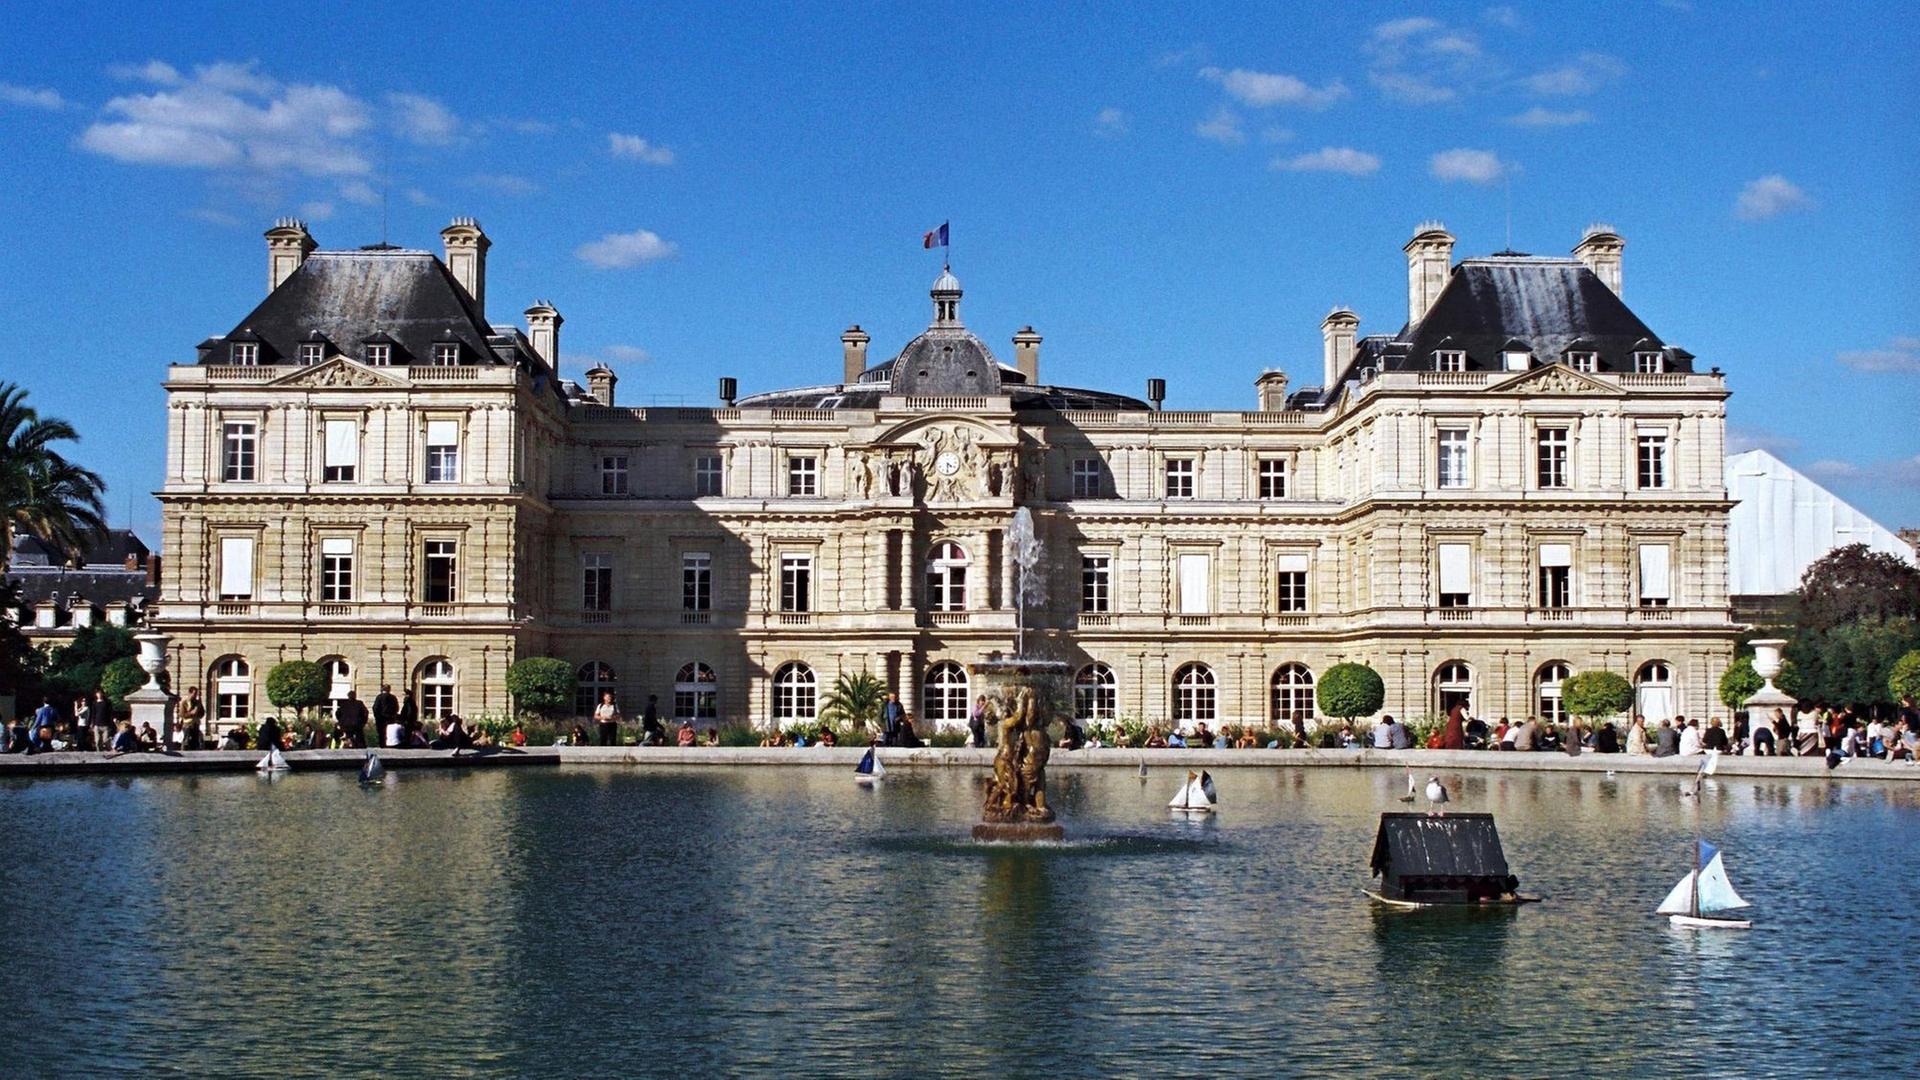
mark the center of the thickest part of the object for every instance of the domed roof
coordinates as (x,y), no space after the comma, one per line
(946,361)
(946,282)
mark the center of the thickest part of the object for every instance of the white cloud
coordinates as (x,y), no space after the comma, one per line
(1769,197)
(637,148)
(618,251)
(632,354)
(1192,54)
(1402,29)
(1469,166)
(1331,159)
(1901,356)
(503,183)
(1585,74)
(1222,127)
(228,116)
(359,191)
(1262,89)
(423,120)
(419,198)
(30,97)
(1110,123)
(1502,16)
(215,217)
(317,210)
(1412,89)
(1740,440)
(1423,61)
(1538,117)
(1901,473)
(157,72)
(1274,135)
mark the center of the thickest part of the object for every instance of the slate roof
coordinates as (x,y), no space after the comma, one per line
(106,588)
(1454,846)
(1548,305)
(110,551)
(867,396)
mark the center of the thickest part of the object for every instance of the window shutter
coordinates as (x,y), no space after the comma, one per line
(236,566)
(1655,581)
(1456,568)
(1556,554)
(443,432)
(343,443)
(1195,591)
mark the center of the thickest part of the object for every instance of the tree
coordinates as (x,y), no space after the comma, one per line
(1592,695)
(542,685)
(1350,690)
(1853,584)
(76,668)
(1740,682)
(42,493)
(298,685)
(856,700)
(1852,664)
(1904,682)
(120,678)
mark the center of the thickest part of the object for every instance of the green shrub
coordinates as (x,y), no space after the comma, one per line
(1593,694)
(948,737)
(1350,690)
(1740,682)
(855,702)
(1904,682)
(120,678)
(298,685)
(541,685)
(740,735)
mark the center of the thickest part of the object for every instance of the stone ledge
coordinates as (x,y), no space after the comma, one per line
(73,762)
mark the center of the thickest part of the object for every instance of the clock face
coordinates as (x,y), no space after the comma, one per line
(947,464)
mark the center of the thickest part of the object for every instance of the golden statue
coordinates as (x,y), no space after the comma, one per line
(1019,788)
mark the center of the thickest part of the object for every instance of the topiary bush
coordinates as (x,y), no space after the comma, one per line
(541,685)
(1350,690)
(298,685)
(1594,694)
(1905,680)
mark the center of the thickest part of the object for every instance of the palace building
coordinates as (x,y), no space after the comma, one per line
(1522,482)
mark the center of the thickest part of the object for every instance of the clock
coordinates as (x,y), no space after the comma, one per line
(947,464)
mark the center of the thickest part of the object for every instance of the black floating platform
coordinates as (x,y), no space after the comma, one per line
(1019,832)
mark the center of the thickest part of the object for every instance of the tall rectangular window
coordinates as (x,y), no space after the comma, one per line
(613,474)
(1273,478)
(796,583)
(1290,580)
(446,354)
(236,568)
(1556,575)
(803,475)
(1096,584)
(443,451)
(379,355)
(1086,478)
(596,584)
(440,583)
(1180,478)
(245,353)
(709,475)
(1453,457)
(1653,459)
(336,569)
(240,450)
(341,464)
(1195,582)
(1456,575)
(1656,578)
(1552,455)
(696,581)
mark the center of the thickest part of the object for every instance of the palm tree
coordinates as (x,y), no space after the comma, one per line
(855,700)
(42,493)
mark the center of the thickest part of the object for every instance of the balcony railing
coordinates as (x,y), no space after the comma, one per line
(1089,619)
(696,618)
(796,618)
(443,374)
(1193,620)
(436,611)
(233,607)
(596,616)
(949,618)
(335,610)
(1654,614)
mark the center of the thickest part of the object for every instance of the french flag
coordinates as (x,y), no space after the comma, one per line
(936,238)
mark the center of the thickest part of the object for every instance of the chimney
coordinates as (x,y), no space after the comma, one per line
(1600,247)
(1272,387)
(600,380)
(1429,257)
(1157,393)
(543,329)
(1337,332)
(153,569)
(467,258)
(1026,354)
(288,245)
(853,353)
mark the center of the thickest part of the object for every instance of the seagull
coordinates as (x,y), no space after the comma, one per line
(1412,788)
(1437,795)
(1143,768)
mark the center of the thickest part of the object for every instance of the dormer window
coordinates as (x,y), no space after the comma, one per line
(1449,360)
(311,352)
(1588,362)
(380,355)
(246,353)
(1515,358)
(1649,363)
(446,354)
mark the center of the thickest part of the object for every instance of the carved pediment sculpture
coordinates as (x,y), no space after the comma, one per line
(339,373)
(1554,379)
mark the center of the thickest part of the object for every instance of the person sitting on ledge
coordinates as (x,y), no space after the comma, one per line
(1716,737)
(1605,739)
(1155,740)
(1176,740)
(1246,741)
(771,738)
(905,736)
(1075,737)
(686,736)
(826,738)
(1689,734)
(269,734)
(713,736)
(126,742)
(1202,737)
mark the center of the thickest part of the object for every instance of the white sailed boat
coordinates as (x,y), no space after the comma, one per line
(273,762)
(1196,796)
(1703,894)
(869,769)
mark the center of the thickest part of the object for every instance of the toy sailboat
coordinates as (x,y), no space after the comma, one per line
(372,772)
(1196,796)
(869,769)
(1703,893)
(273,762)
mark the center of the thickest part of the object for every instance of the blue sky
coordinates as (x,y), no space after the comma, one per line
(1182,191)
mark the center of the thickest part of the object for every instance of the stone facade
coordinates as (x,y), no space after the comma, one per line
(735,560)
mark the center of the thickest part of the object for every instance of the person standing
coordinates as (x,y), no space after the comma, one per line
(40,732)
(608,717)
(83,721)
(1455,735)
(193,718)
(977,722)
(891,714)
(651,731)
(351,717)
(386,712)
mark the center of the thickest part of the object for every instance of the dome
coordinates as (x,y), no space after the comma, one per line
(946,282)
(945,362)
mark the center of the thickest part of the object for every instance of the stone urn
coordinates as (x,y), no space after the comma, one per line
(1766,664)
(153,656)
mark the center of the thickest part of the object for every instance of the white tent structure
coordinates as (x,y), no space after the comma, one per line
(1784,521)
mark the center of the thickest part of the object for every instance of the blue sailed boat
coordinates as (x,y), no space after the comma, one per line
(869,769)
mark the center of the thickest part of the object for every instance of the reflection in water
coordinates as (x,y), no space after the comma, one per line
(787,922)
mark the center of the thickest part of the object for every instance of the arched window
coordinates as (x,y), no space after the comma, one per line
(943,698)
(593,679)
(1096,694)
(232,691)
(696,693)
(339,680)
(1654,691)
(947,578)
(1546,691)
(1194,695)
(436,689)
(1292,696)
(794,692)
(1453,684)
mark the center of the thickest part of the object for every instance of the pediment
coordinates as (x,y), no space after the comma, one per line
(339,373)
(1554,379)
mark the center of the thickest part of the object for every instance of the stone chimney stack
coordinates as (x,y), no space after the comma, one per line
(1600,247)
(1026,354)
(288,245)
(1337,332)
(1429,257)
(467,258)
(1272,388)
(853,354)
(543,329)
(600,380)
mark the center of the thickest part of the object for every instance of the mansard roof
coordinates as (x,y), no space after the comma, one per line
(1547,305)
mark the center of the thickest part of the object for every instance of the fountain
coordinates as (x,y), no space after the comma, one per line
(1024,695)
